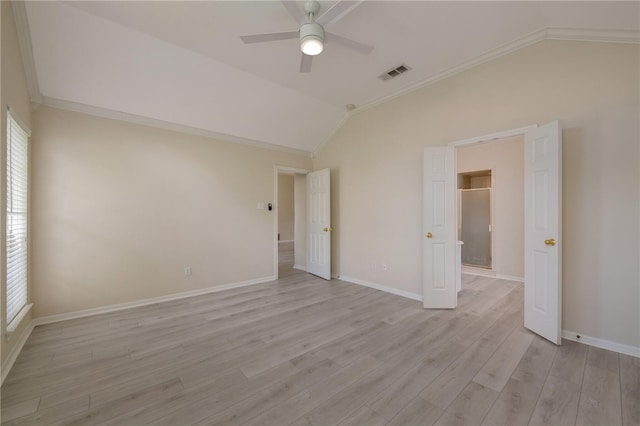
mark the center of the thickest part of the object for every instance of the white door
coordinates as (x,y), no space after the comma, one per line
(319,223)
(439,239)
(543,231)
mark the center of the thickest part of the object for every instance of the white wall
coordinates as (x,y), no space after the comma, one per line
(506,158)
(285,207)
(300,222)
(592,88)
(120,209)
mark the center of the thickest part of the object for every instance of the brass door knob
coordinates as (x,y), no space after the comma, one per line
(429,235)
(327,229)
(550,242)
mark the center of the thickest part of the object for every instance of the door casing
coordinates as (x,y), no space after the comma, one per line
(523,131)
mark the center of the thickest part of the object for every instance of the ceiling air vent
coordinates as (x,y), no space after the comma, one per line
(394,72)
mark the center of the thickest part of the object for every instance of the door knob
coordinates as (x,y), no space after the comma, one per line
(429,235)
(550,242)
(327,229)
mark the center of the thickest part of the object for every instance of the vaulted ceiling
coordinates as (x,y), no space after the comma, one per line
(182,64)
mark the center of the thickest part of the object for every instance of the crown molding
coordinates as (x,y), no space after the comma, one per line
(594,35)
(26,52)
(165,125)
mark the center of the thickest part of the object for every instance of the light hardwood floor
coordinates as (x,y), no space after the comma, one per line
(305,351)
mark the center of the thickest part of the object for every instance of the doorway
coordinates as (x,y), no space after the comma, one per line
(290,231)
(474,218)
(542,219)
(491,182)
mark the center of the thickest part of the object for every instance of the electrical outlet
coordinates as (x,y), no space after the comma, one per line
(187,271)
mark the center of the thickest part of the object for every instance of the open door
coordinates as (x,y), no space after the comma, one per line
(319,223)
(543,231)
(542,221)
(439,239)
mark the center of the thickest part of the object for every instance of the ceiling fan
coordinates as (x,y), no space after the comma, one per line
(311,33)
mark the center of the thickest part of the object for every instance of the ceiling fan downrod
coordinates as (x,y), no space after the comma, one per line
(311,9)
(311,33)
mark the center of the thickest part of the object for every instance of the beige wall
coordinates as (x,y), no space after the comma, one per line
(120,209)
(593,88)
(506,158)
(14,94)
(300,222)
(285,207)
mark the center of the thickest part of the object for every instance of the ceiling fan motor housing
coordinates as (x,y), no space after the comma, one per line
(311,34)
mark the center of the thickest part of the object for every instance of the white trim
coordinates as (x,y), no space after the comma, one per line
(26,50)
(15,323)
(594,35)
(143,302)
(165,125)
(601,343)
(14,116)
(477,272)
(520,131)
(491,274)
(510,278)
(15,351)
(300,267)
(284,241)
(403,293)
(294,170)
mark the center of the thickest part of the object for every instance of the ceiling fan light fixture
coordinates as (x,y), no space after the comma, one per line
(311,38)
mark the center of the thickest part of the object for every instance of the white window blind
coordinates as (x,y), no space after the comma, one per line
(17,204)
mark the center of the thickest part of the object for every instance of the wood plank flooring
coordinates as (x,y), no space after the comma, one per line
(304,351)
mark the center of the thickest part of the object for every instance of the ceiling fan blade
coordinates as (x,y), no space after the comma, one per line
(365,49)
(305,63)
(294,10)
(337,11)
(259,38)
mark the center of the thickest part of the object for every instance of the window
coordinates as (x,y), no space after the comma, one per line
(17,204)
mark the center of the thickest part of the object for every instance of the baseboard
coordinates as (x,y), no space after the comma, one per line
(403,293)
(300,267)
(510,278)
(15,351)
(142,302)
(492,274)
(601,343)
(285,241)
(478,272)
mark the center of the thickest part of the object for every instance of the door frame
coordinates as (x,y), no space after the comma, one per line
(524,132)
(520,131)
(276,171)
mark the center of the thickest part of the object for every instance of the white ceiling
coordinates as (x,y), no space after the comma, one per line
(183,63)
